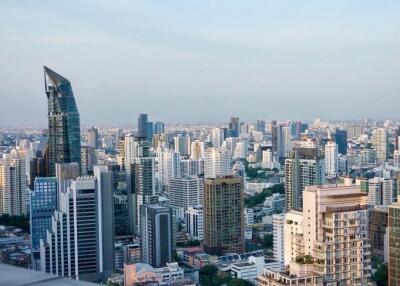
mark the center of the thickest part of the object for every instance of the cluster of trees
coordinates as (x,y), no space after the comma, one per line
(259,198)
(17,221)
(209,276)
(381,274)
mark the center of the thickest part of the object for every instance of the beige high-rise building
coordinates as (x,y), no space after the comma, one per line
(13,183)
(335,232)
(197,150)
(394,243)
(223,215)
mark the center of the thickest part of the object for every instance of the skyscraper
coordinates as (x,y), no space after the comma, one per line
(304,167)
(186,192)
(13,184)
(156,234)
(93,138)
(394,244)
(341,141)
(223,215)
(158,127)
(43,203)
(64,122)
(380,142)
(142,125)
(331,159)
(233,130)
(182,145)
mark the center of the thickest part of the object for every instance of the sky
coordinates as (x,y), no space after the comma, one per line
(202,61)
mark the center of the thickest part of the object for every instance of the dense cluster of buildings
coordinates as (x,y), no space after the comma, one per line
(116,204)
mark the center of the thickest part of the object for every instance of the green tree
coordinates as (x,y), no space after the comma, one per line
(268,240)
(381,275)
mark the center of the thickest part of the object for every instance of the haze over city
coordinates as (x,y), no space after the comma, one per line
(201,61)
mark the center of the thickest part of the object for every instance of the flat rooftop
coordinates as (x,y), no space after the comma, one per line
(17,276)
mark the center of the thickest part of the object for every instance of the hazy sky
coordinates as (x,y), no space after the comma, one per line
(191,61)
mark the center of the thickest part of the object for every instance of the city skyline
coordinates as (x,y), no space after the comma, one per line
(267,60)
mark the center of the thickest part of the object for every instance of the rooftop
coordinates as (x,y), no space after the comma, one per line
(16,276)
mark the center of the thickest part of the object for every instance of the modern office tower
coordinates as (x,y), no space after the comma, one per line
(380,191)
(293,232)
(149,131)
(277,141)
(217,163)
(93,138)
(278,221)
(121,152)
(142,126)
(377,224)
(260,125)
(380,142)
(156,234)
(182,145)
(304,167)
(341,141)
(159,127)
(122,208)
(223,215)
(186,191)
(144,184)
(285,141)
(394,243)
(13,184)
(331,159)
(43,203)
(354,130)
(168,166)
(39,164)
(233,129)
(194,222)
(105,221)
(248,216)
(78,244)
(64,122)
(197,150)
(368,156)
(88,160)
(335,232)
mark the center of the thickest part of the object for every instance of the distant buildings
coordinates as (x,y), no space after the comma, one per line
(93,138)
(64,123)
(223,215)
(142,126)
(380,142)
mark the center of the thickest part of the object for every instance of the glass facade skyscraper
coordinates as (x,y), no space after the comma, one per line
(64,123)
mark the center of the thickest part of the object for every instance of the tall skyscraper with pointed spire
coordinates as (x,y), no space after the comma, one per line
(64,123)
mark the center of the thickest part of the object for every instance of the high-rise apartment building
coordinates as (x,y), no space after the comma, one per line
(186,192)
(13,184)
(88,160)
(197,150)
(182,145)
(64,123)
(168,166)
(223,215)
(335,233)
(195,222)
(377,225)
(304,167)
(279,237)
(380,142)
(217,162)
(93,138)
(331,159)
(156,234)
(394,244)
(354,130)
